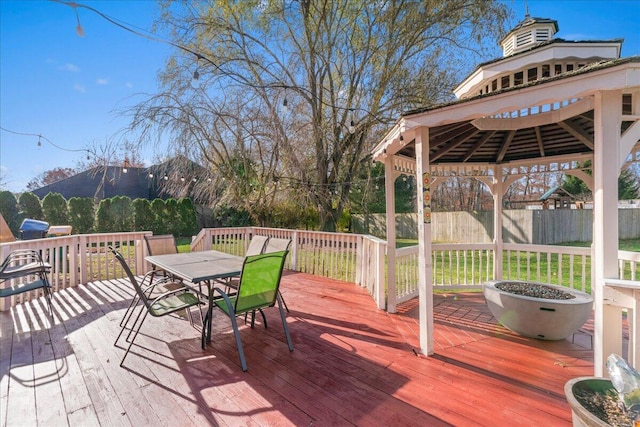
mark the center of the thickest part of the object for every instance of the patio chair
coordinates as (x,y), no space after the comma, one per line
(161,244)
(157,245)
(164,304)
(258,289)
(28,264)
(256,245)
(275,245)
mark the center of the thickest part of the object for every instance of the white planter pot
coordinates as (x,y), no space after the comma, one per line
(547,319)
(580,415)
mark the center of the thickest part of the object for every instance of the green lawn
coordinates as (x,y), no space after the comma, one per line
(184,244)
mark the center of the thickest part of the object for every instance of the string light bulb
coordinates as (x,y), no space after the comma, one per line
(195,81)
(79,29)
(352,127)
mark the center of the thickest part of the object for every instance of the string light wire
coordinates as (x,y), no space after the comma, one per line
(199,56)
(43,138)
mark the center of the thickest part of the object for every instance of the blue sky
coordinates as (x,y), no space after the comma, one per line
(67,88)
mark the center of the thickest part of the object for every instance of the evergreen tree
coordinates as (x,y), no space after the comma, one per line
(172,216)
(143,218)
(104,220)
(627,184)
(54,208)
(30,206)
(121,213)
(159,217)
(9,211)
(81,214)
(188,218)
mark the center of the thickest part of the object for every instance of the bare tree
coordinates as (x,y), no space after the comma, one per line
(292,95)
(49,177)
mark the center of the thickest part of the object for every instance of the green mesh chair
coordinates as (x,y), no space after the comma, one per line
(161,305)
(258,289)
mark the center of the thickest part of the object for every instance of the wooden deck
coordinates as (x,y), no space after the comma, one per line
(352,365)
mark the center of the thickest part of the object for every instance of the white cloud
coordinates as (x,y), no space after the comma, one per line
(129,85)
(102,81)
(70,67)
(80,88)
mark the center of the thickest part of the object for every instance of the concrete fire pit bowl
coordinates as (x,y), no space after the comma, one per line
(553,314)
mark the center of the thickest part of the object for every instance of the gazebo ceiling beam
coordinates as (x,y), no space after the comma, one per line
(505,145)
(452,144)
(540,142)
(437,132)
(577,132)
(478,144)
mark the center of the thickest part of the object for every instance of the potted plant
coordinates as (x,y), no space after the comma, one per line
(606,402)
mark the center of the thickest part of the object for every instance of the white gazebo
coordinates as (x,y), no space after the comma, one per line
(547,104)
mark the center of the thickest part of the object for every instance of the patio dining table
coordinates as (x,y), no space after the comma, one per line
(198,268)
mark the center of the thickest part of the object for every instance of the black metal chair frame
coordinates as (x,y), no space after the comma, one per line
(158,306)
(23,263)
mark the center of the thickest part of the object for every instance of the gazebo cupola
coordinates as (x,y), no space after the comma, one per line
(531,53)
(527,34)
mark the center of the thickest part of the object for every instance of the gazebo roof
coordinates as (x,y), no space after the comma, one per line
(508,125)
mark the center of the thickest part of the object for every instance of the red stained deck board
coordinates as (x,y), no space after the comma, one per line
(352,364)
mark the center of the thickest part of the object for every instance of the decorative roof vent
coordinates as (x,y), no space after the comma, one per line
(527,34)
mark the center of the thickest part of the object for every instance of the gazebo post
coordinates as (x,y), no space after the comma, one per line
(425,268)
(390,199)
(498,192)
(607,318)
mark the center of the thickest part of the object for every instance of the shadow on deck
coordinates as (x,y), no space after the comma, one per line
(352,365)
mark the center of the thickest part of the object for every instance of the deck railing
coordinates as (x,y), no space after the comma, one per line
(78,259)
(340,256)
(621,295)
(349,257)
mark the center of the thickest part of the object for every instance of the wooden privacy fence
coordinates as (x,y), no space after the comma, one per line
(540,227)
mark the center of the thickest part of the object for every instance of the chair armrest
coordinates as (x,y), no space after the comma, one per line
(170,293)
(24,255)
(11,272)
(223,296)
